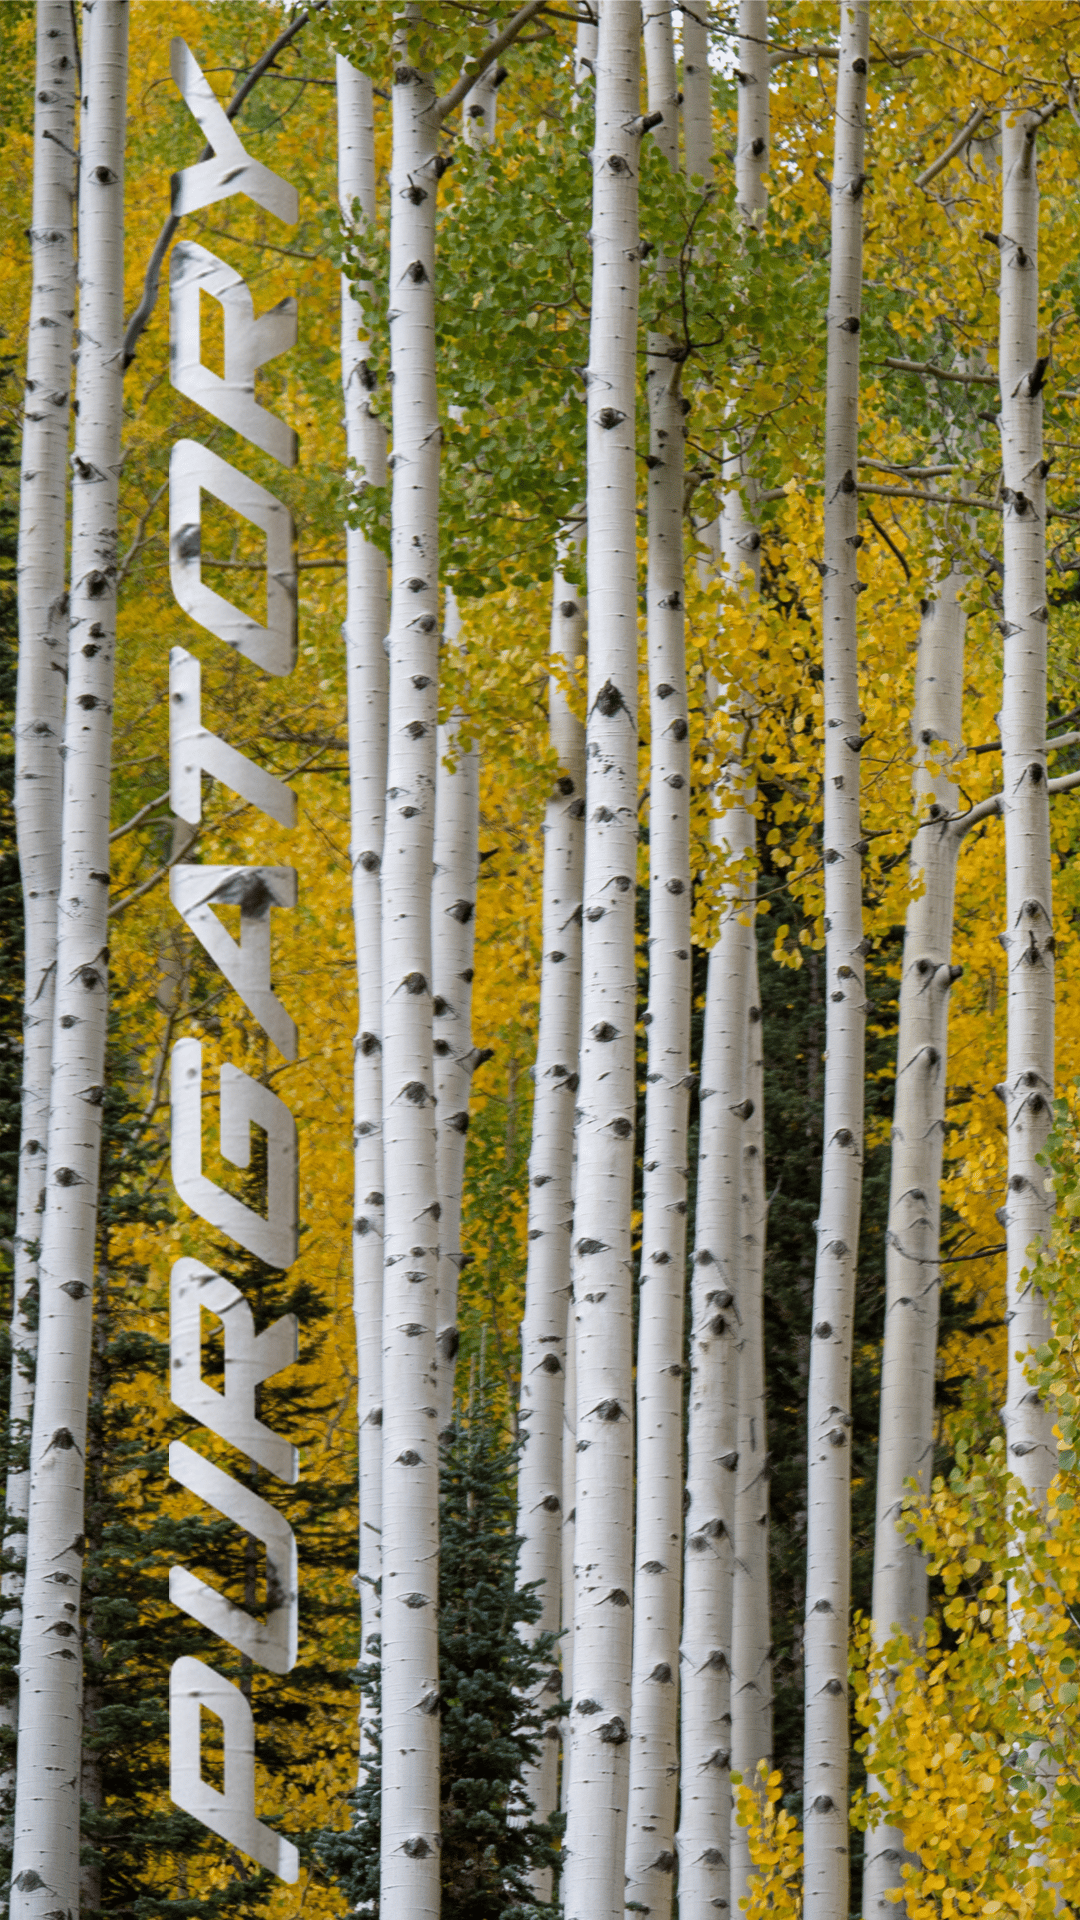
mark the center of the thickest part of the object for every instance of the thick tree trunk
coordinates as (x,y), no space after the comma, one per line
(410,1658)
(366,669)
(1028,933)
(828,1555)
(912,1245)
(650,1846)
(39,695)
(547,1283)
(46,1841)
(596,1835)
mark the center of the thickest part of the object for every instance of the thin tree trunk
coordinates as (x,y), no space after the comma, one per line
(547,1281)
(1028,934)
(828,1547)
(751,1630)
(46,1842)
(453,924)
(751,1636)
(912,1243)
(453,930)
(705,1785)
(410,1658)
(39,699)
(596,1834)
(366,669)
(650,1846)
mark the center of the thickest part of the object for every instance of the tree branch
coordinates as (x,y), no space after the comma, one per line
(956,146)
(961,823)
(928,369)
(464,86)
(140,319)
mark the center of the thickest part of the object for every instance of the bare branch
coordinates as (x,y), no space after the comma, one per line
(140,319)
(137,819)
(491,52)
(978,115)
(929,369)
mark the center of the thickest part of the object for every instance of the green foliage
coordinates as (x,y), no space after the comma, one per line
(487,1672)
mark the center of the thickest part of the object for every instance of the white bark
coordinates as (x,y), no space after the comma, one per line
(751,1672)
(566,1571)
(39,696)
(912,1244)
(547,1281)
(410,1721)
(751,1633)
(828,1555)
(585,44)
(697,96)
(453,931)
(1028,935)
(596,1833)
(46,1841)
(453,923)
(650,1845)
(366,670)
(705,1785)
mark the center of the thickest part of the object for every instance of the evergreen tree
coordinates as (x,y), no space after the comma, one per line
(487,1671)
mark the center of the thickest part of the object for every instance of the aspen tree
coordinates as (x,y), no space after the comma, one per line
(650,1847)
(410,1660)
(726,1329)
(1028,937)
(45,1869)
(366,669)
(541,1513)
(39,695)
(453,926)
(751,1673)
(410,1693)
(596,1833)
(697,95)
(828,1553)
(912,1246)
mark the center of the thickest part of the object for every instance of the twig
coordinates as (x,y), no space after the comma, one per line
(140,319)
(138,818)
(893,549)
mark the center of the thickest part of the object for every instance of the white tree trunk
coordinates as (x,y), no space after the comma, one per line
(566,1595)
(366,669)
(547,1281)
(46,1841)
(697,96)
(1028,933)
(453,931)
(828,1547)
(912,1243)
(751,1631)
(705,1784)
(410,1666)
(751,1636)
(39,695)
(453,924)
(650,1845)
(596,1833)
